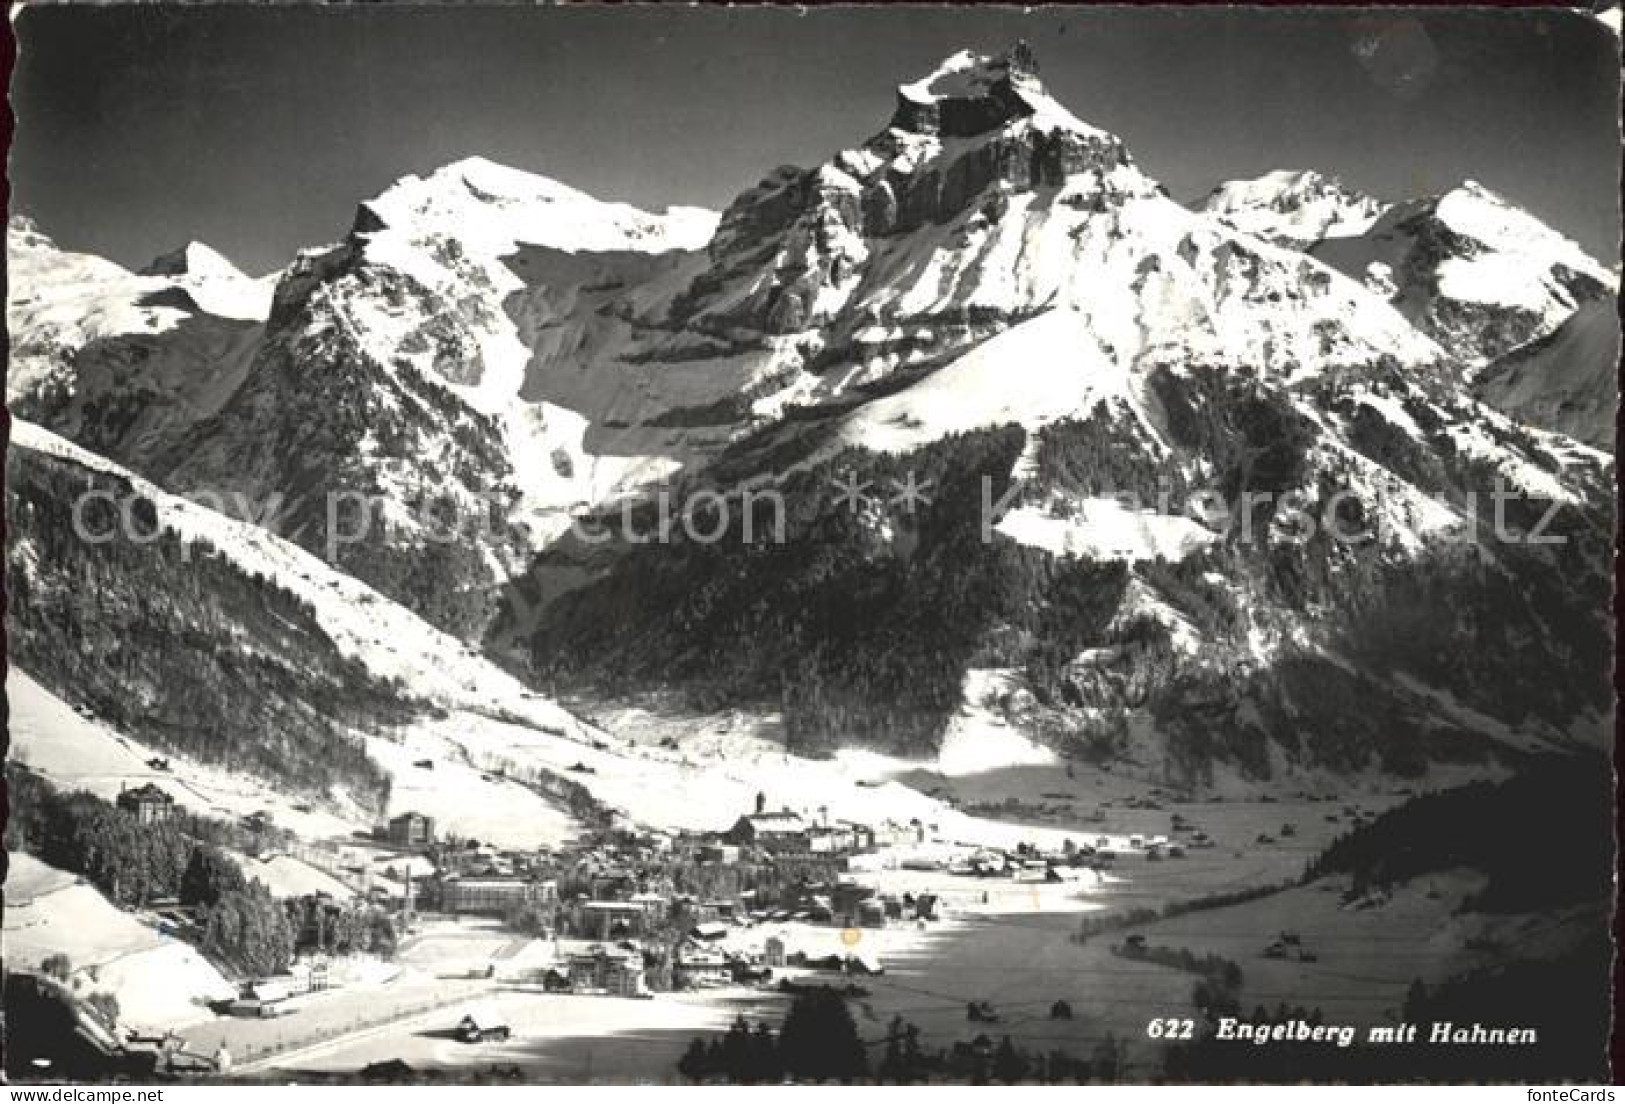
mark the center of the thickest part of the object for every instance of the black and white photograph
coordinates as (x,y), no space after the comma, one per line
(909,544)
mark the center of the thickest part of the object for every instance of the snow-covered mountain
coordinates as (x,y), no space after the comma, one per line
(1529,315)
(984,204)
(992,289)
(396,367)
(989,288)
(119,361)
(251,664)
(1294,209)
(1473,271)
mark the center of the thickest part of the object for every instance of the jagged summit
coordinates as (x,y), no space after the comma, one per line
(975,150)
(970,94)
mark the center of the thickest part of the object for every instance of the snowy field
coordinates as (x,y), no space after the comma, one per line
(158,980)
(464,799)
(286,876)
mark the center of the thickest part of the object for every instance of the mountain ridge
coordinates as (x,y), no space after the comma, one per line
(987,286)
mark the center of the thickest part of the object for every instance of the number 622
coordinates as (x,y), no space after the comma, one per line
(1177,1030)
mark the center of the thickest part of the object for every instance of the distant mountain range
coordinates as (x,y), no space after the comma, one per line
(988,297)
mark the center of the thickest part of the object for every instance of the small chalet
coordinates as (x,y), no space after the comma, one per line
(609,919)
(148,804)
(263,997)
(773,952)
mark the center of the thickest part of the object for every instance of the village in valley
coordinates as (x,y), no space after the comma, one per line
(415,947)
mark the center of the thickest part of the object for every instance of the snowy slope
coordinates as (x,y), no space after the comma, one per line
(159,981)
(1105,529)
(285,876)
(403,668)
(1567,381)
(1034,372)
(80,753)
(387,639)
(479,717)
(217,285)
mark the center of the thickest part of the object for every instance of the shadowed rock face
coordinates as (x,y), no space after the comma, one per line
(961,116)
(995,99)
(1021,161)
(327,414)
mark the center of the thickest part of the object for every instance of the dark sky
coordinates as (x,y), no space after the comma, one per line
(259,130)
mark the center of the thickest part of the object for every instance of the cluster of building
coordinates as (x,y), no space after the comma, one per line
(268,996)
(623,895)
(474,879)
(787,832)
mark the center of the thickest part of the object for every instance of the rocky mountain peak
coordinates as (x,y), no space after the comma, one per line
(967,148)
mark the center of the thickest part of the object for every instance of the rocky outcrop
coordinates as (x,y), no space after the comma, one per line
(375,460)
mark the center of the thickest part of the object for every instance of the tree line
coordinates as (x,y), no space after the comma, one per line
(239,923)
(818,1041)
